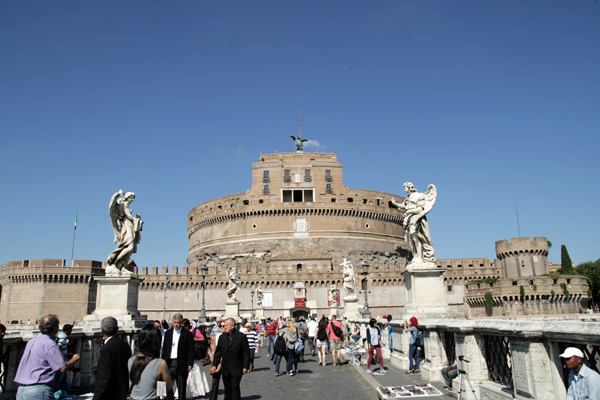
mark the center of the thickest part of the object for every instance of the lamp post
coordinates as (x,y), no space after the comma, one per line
(252,302)
(203,272)
(165,285)
(365,272)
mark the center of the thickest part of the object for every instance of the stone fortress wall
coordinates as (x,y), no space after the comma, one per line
(296,224)
(526,287)
(33,288)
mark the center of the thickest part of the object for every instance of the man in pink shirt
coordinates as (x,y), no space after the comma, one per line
(336,336)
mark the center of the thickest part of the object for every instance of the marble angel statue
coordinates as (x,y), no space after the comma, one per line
(349,279)
(127,230)
(416,228)
(259,296)
(333,291)
(234,283)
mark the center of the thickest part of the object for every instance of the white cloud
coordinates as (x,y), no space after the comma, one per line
(312,143)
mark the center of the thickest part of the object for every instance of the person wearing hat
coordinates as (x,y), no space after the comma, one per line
(584,383)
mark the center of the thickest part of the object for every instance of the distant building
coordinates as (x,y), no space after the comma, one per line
(288,234)
(527,288)
(30,289)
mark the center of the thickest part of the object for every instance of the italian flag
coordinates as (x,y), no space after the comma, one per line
(75,227)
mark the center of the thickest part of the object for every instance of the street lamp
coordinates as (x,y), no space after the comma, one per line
(165,285)
(203,272)
(365,272)
(252,302)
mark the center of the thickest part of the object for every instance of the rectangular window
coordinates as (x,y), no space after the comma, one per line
(328,188)
(298,195)
(307,176)
(266,189)
(328,175)
(286,176)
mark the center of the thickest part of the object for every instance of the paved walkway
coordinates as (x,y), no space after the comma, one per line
(341,382)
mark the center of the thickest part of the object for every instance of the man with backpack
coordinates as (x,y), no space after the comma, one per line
(336,336)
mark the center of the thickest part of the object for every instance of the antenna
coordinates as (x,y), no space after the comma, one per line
(517,210)
(299,118)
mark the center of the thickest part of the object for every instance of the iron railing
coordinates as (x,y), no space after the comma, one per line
(497,357)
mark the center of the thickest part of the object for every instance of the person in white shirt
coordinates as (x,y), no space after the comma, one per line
(312,326)
(584,382)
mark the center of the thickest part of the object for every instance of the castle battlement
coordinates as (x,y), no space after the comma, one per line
(505,248)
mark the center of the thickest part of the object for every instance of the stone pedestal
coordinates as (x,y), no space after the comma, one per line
(333,310)
(259,314)
(117,296)
(232,309)
(426,293)
(351,308)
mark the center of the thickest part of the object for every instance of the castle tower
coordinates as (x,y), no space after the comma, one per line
(523,257)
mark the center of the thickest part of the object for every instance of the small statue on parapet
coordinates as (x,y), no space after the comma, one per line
(127,230)
(259,296)
(416,228)
(333,292)
(349,279)
(234,283)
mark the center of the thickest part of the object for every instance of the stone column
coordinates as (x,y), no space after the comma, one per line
(232,309)
(351,308)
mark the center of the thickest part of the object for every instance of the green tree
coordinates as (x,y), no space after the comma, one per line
(489,299)
(591,270)
(566,265)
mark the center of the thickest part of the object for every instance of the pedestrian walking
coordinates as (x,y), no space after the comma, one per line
(374,345)
(233,352)
(112,376)
(252,343)
(321,339)
(178,352)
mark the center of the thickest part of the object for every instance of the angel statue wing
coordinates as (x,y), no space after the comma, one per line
(293,137)
(114,214)
(429,199)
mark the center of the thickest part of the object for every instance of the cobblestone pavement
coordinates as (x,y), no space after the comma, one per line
(314,380)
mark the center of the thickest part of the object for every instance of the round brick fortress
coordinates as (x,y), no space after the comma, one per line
(298,208)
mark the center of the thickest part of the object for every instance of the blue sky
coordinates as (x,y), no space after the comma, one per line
(491,101)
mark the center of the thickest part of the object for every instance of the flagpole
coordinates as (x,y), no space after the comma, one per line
(74,230)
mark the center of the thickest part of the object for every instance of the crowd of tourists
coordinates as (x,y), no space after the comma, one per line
(178,360)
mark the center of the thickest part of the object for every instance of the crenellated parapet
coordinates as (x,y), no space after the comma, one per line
(521,245)
(521,257)
(34,288)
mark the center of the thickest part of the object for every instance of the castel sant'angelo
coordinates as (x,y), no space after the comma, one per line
(287,235)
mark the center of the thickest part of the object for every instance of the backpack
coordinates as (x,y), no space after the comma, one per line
(200,348)
(419,341)
(336,330)
(299,346)
(279,346)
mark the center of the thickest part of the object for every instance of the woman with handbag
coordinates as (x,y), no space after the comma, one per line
(146,368)
(374,346)
(291,337)
(197,384)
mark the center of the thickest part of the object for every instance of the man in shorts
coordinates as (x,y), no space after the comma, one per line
(335,340)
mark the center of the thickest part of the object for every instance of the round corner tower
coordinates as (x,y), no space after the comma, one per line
(523,257)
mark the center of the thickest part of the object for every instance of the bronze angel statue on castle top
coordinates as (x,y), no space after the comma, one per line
(416,228)
(299,142)
(127,230)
